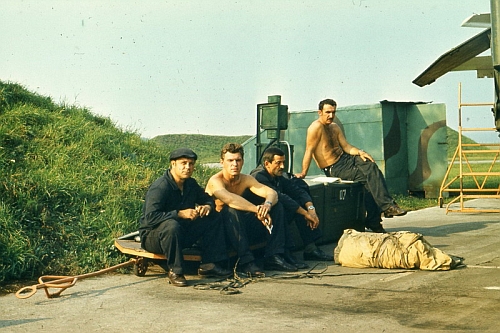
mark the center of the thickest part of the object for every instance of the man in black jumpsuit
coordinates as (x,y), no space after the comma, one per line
(176,213)
(297,204)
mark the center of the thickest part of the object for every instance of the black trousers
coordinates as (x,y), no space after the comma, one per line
(243,229)
(307,234)
(171,236)
(378,199)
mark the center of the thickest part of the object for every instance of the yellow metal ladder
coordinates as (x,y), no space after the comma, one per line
(490,154)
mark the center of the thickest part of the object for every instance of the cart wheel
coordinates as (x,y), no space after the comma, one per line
(141,266)
(440,202)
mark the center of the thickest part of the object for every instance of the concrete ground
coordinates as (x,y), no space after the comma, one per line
(338,300)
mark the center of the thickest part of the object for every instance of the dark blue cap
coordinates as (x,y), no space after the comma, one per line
(183,152)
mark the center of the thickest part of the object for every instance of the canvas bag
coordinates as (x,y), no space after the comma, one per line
(401,249)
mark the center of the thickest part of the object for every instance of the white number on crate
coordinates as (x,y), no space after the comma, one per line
(342,194)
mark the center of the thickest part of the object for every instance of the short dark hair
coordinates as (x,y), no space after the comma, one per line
(232,148)
(269,153)
(328,101)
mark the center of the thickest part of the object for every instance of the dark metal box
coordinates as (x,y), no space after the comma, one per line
(339,206)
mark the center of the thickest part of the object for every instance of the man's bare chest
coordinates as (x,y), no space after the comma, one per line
(235,187)
(328,138)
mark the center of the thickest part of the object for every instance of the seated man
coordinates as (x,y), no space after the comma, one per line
(176,213)
(297,204)
(326,143)
(242,216)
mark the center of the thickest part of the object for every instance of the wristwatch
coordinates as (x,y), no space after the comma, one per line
(270,203)
(310,208)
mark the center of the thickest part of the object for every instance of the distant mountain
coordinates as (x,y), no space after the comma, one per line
(207,147)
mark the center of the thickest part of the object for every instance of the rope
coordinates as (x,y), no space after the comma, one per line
(232,286)
(229,286)
(63,282)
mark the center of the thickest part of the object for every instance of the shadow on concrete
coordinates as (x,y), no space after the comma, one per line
(67,295)
(9,323)
(446,229)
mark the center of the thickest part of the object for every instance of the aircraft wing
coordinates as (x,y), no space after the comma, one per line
(461,55)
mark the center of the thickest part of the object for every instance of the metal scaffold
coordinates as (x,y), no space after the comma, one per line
(468,157)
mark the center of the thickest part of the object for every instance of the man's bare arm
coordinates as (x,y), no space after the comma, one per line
(350,149)
(216,188)
(269,195)
(312,140)
(346,146)
(235,201)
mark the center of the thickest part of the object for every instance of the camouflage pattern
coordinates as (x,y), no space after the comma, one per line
(406,139)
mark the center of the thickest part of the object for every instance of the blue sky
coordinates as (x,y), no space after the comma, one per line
(200,67)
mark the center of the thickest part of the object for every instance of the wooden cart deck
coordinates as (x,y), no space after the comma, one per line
(133,248)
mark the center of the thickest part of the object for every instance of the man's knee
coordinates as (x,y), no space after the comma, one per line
(230,216)
(230,212)
(158,239)
(168,229)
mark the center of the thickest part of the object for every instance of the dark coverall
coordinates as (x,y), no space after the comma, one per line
(244,229)
(163,231)
(291,196)
(378,199)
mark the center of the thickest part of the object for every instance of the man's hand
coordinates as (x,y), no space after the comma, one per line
(263,215)
(203,210)
(300,175)
(312,219)
(267,222)
(365,156)
(189,214)
(263,210)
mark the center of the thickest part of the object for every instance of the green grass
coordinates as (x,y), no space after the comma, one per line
(414,203)
(469,181)
(70,182)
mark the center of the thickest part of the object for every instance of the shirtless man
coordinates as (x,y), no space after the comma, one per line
(242,218)
(327,145)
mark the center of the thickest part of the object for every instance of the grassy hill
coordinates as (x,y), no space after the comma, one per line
(70,182)
(207,147)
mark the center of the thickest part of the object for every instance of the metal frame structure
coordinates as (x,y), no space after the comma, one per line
(465,166)
(466,55)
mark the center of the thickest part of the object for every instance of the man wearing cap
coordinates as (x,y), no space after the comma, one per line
(176,213)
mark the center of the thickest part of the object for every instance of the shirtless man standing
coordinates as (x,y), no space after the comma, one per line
(240,216)
(327,145)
